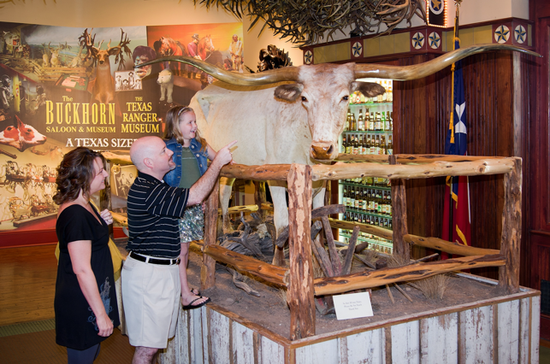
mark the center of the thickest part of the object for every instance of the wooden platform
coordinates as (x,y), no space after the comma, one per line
(502,330)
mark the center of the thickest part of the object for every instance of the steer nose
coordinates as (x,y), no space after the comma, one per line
(322,152)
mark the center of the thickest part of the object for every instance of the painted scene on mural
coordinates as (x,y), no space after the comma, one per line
(63,87)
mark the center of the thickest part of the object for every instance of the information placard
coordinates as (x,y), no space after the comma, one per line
(353,305)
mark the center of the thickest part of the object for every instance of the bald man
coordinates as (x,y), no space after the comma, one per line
(151,286)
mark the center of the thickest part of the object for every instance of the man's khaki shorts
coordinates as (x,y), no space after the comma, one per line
(151,301)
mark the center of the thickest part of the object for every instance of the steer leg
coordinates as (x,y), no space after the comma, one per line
(226,186)
(280,216)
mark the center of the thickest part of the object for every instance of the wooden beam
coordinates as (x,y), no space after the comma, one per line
(511,230)
(340,170)
(239,209)
(301,300)
(244,263)
(264,172)
(369,229)
(208,269)
(448,246)
(378,278)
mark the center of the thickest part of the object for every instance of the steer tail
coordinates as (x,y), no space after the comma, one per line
(405,73)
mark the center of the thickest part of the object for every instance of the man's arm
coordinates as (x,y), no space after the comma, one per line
(200,190)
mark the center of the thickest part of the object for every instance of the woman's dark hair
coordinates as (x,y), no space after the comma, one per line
(75,173)
(172,122)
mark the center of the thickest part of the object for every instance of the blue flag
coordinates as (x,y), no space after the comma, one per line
(456,214)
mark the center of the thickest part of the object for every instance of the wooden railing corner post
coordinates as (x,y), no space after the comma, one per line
(399,214)
(301,299)
(511,229)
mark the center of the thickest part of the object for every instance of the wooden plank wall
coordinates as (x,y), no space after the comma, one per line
(488,332)
(421,116)
(539,163)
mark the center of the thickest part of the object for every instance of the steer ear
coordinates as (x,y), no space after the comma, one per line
(368,89)
(289,92)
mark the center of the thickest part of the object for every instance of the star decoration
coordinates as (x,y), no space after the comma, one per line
(308,57)
(502,34)
(434,40)
(437,6)
(357,49)
(520,34)
(418,40)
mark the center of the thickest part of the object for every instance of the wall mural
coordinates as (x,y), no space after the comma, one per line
(63,87)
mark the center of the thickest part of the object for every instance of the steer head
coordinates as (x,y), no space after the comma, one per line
(324,89)
(324,92)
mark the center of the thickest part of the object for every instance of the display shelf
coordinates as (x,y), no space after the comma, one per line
(381,132)
(373,214)
(375,244)
(373,104)
(361,185)
(368,130)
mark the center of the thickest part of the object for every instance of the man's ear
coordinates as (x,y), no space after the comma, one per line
(148,162)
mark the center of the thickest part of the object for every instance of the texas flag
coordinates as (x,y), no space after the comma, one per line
(456,215)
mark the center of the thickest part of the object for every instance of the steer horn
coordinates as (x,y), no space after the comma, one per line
(405,73)
(397,73)
(251,79)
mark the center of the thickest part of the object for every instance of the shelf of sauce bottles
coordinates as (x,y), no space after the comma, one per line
(370,133)
(376,243)
(368,199)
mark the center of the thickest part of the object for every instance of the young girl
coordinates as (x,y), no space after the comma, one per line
(190,156)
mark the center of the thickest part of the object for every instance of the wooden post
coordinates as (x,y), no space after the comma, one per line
(399,212)
(511,229)
(208,269)
(301,300)
(260,197)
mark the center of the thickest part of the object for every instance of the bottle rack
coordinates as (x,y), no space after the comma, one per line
(368,130)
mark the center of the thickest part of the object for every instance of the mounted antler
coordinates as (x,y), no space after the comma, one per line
(101,56)
(104,88)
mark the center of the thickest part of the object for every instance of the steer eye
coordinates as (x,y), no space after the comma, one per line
(304,99)
(345,98)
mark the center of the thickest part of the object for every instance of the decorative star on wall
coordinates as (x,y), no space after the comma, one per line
(502,34)
(418,40)
(520,34)
(308,57)
(437,6)
(357,49)
(434,39)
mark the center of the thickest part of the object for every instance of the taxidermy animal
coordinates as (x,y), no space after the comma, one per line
(166,82)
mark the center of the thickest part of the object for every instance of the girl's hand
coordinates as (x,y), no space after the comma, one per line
(106,216)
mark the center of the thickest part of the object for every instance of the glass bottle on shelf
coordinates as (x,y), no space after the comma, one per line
(387,124)
(371,122)
(347,125)
(377,149)
(348,145)
(366,146)
(360,121)
(353,122)
(389,149)
(383,148)
(355,147)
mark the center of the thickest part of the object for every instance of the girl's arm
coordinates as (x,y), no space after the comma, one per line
(80,252)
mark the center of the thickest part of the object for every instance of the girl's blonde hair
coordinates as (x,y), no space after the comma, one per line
(172,129)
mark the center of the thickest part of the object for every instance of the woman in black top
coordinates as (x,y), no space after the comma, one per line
(85,301)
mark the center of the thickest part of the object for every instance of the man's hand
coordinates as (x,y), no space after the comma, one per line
(224,155)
